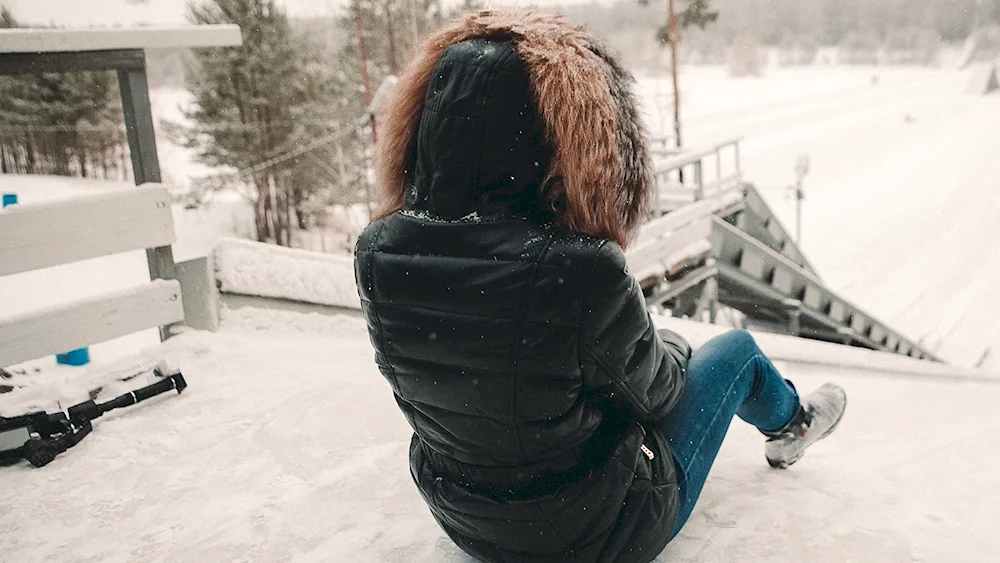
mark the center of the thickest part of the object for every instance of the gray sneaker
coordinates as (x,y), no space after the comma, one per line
(818,416)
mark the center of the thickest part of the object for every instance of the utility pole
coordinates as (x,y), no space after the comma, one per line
(414,28)
(368,88)
(364,61)
(672,31)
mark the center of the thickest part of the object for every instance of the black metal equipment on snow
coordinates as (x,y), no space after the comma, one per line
(39,437)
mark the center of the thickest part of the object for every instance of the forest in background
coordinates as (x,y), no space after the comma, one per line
(903,31)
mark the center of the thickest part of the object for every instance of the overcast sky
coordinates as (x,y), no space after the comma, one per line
(81,13)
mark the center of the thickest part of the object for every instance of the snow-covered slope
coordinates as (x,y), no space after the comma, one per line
(287,446)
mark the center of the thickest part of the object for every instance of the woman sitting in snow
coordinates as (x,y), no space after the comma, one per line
(552,421)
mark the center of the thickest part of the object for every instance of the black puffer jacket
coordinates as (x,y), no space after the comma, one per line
(521,354)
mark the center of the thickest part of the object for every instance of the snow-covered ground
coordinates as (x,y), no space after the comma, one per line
(287,446)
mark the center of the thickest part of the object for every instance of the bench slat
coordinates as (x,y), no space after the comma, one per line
(59,329)
(34,236)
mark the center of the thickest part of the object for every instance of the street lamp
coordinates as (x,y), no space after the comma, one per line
(801,169)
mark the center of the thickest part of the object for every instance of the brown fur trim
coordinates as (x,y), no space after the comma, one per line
(639,172)
(600,172)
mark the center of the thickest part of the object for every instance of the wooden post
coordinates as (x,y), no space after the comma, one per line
(711,296)
(794,309)
(736,148)
(672,30)
(139,129)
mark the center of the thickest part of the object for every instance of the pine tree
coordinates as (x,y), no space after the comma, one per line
(689,13)
(260,106)
(392,30)
(60,123)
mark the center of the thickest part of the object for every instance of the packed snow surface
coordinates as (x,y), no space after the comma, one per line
(288,446)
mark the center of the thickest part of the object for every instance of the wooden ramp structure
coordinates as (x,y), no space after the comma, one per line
(42,235)
(714,242)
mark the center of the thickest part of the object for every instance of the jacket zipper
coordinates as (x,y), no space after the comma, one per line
(642,446)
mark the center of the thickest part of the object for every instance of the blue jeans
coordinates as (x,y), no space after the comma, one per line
(727,376)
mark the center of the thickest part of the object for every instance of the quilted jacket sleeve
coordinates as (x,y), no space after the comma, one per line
(621,352)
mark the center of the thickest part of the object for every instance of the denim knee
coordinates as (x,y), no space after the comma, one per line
(741,339)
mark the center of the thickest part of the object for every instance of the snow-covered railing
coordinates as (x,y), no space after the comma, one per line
(249,268)
(55,40)
(681,179)
(60,232)
(49,234)
(762,224)
(241,273)
(775,293)
(671,255)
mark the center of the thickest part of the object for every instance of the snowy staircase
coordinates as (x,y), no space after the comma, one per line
(776,294)
(727,248)
(758,221)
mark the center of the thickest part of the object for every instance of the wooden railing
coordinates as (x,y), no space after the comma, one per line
(764,283)
(694,175)
(49,234)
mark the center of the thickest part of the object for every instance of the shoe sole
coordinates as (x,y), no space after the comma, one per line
(788,463)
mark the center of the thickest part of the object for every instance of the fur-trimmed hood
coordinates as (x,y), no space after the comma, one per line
(597,174)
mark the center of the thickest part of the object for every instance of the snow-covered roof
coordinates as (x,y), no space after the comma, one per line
(152,37)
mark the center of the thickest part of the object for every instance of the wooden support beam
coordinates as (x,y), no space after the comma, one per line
(57,40)
(70,61)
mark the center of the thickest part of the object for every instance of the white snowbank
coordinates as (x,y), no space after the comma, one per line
(288,447)
(252,268)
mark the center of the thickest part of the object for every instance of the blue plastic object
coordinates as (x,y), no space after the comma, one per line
(78,357)
(9,199)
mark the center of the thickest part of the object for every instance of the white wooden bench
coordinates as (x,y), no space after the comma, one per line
(36,236)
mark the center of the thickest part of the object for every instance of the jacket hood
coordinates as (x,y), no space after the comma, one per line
(480,142)
(494,93)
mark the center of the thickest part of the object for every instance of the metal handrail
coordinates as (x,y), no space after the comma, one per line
(696,181)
